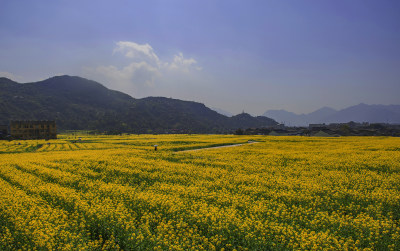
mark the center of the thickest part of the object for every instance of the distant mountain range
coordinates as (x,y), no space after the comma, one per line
(79,104)
(223,112)
(357,113)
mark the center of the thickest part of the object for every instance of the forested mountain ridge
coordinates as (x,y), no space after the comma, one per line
(80,104)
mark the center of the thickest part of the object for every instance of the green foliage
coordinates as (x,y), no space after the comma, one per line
(239,131)
(80,104)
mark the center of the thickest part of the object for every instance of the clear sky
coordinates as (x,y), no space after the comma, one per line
(234,55)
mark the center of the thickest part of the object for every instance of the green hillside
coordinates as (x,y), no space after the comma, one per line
(80,104)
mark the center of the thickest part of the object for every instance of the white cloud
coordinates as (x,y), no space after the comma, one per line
(134,78)
(144,71)
(183,64)
(137,52)
(11,76)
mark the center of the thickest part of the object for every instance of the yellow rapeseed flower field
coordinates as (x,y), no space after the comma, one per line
(282,193)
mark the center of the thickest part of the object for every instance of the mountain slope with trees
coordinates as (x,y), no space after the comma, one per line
(80,104)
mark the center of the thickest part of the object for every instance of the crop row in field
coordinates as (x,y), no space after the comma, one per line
(282,193)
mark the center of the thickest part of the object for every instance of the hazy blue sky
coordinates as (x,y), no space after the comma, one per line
(235,55)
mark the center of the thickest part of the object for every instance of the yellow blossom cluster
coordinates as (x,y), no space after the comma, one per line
(282,193)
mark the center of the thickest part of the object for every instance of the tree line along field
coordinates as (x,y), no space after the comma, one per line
(283,193)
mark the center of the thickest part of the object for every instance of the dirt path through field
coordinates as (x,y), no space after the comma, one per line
(214,147)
